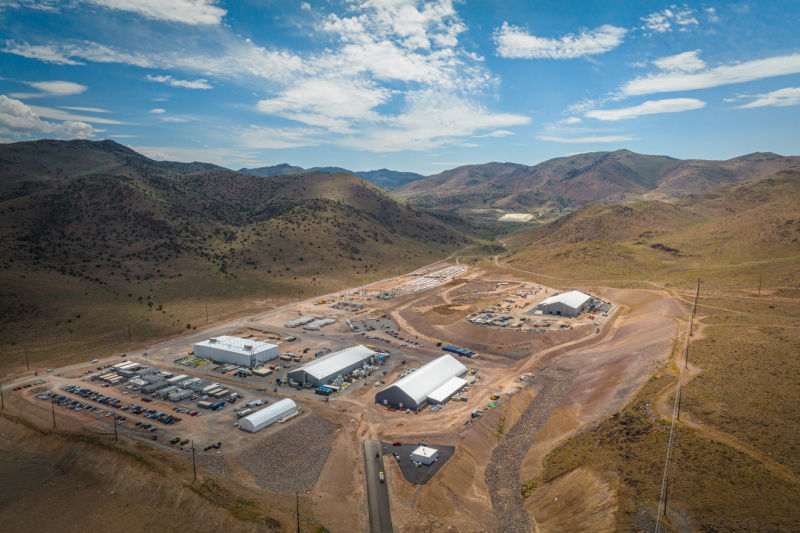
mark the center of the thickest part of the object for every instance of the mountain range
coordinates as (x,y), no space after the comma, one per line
(384,178)
(597,177)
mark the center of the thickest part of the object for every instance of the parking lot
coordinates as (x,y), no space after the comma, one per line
(415,472)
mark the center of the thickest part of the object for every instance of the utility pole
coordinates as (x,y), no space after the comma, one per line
(694,308)
(194,464)
(27,361)
(53,406)
(297,509)
(2,400)
(759,284)
(114,420)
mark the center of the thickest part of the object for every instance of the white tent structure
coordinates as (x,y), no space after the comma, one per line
(570,304)
(269,415)
(325,369)
(414,390)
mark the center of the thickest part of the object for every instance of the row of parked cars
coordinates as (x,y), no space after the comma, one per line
(153,414)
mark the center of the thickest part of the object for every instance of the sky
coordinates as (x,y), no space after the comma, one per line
(420,86)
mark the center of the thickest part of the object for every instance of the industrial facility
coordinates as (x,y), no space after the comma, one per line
(569,304)
(280,410)
(242,352)
(435,383)
(424,455)
(326,369)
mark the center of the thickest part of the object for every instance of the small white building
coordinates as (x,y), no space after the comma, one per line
(235,350)
(425,455)
(569,304)
(269,415)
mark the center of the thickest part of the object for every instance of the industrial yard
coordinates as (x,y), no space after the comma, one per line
(278,399)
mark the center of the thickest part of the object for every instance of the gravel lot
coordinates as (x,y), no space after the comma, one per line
(502,473)
(291,460)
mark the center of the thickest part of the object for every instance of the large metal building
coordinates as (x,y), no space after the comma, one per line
(269,415)
(242,352)
(570,304)
(416,389)
(324,370)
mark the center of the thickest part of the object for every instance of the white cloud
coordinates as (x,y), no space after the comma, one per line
(60,114)
(238,60)
(122,136)
(52,88)
(570,120)
(328,103)
(722,75)
(262,138)
(193,12)
(85,109)
(174,120)
(651,107)
(588,140)
(40,5)
(172,82)
(662,21)
(516,42)
(415,129)
(18,120)
(158,111)
(496,133)
(305,6)
(685,62)
(711,13)
(220,156)
(781,98)
(46,53)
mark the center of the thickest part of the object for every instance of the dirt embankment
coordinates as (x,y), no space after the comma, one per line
(55,483)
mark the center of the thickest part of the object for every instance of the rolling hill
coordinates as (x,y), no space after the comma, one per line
(384,178)
(739,231)
(575,181)
(98,236)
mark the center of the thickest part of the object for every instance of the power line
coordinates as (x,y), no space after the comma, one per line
(676,413)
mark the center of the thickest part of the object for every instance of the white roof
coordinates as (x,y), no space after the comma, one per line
(330,364)
(424,451)
(447,389)
(418,385)
(574,299)
(237,345)
(280,408)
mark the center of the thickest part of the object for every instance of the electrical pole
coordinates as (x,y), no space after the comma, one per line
(694,308)
(194,465)
(2,400)
(759,285)
(114,420)
(297,509)
(53,406)
(27,362)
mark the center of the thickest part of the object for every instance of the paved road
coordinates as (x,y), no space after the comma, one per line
(380,516)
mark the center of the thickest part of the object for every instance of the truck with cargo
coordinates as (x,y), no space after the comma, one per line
(243,412)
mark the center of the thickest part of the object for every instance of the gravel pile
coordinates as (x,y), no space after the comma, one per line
(291,460)
(502,473)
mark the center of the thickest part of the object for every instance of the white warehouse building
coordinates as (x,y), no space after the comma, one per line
(269,415)
(235,350)
(570,304)
(435,382)
(324,370)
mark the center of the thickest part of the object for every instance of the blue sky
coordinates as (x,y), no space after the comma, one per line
(410,85)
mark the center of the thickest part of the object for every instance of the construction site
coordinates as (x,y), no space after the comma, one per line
(436,373)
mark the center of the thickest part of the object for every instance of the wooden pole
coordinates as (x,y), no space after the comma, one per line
(194,464)
(53,406)
(114,420)
(2,400)
(27,362)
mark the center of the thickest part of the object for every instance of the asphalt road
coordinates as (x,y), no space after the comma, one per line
(380,516)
